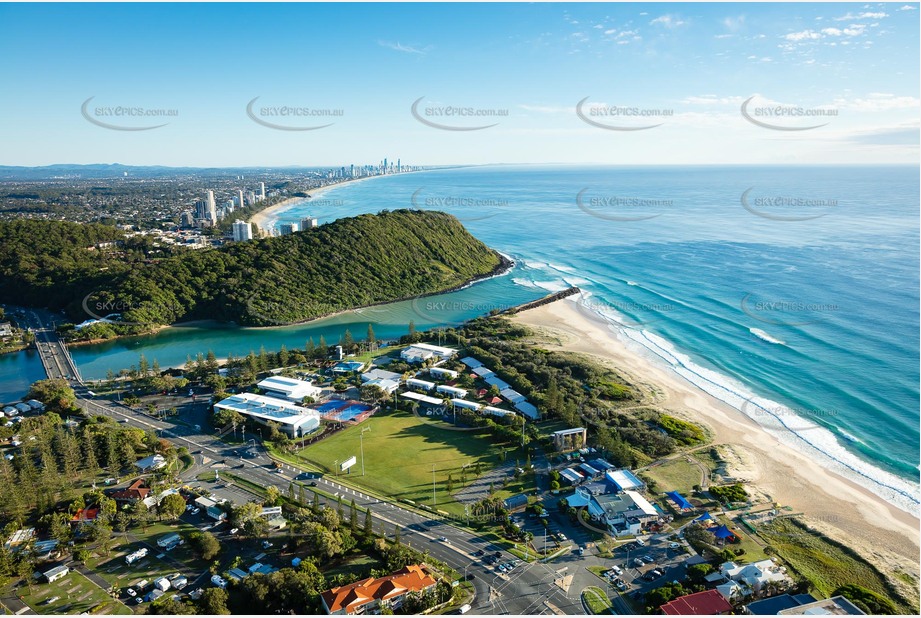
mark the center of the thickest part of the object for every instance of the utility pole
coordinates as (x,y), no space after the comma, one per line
(361,446)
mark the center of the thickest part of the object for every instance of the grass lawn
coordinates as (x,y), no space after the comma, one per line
(400,451)
(596,600)
(76,594)
(677,475)
(114,570)
(753,551)
(355,565)
(825,564)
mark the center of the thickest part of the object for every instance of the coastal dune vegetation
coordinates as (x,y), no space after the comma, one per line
(349,263)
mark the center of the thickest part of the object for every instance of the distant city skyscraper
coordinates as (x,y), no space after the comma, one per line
(242,230)
(211,212)
(240,198)
(261,190)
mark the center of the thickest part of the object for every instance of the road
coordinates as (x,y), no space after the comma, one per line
(529,589)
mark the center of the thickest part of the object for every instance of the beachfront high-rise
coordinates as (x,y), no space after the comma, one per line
(242,230)
(309,222)
(287,228)
(261,190)
(240,198)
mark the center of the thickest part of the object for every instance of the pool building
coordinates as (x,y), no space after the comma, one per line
(292,419)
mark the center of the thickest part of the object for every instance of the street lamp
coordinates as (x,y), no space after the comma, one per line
(361,446)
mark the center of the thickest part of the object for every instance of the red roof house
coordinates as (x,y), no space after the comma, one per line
(138,490)
(367,595)
(706,603)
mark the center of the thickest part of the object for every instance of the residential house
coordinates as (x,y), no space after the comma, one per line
(706,603)
(371,594)
(138,490)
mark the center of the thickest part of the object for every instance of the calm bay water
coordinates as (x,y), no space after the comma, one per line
(789,292)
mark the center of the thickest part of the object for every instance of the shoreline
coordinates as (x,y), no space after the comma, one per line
(880,532)
(268,216)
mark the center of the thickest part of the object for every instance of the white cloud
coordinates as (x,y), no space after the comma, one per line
(723,36)
(611,31)
(908,7)
(712,99)
(406,49)
(734,23)
(804,35)
(669,21)
(864,15)
(878,102)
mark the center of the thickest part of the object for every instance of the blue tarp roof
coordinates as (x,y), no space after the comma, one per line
(705,517)
(722,532)
(679,500)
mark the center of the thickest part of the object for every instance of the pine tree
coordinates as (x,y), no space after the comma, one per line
(292,496)
(347,342)
(90,462)
(369,530)
(302,496)
(412,330)
(316,502)
(283,356)
(371,338)
(322,347)
(353,517)
(396,534)
(310,349)
(339,507)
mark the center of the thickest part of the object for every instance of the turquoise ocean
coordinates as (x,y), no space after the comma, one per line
(791,293)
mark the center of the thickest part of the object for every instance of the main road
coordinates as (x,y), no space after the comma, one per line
(530,588)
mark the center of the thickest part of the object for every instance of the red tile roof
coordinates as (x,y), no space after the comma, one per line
(89,514)
(412,578)
(136,491)
(706,603)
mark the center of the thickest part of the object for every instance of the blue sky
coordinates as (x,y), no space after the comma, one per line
(526,66)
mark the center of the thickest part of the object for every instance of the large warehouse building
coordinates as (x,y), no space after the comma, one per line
(292,419)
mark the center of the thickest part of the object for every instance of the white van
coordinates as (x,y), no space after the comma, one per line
(464,609)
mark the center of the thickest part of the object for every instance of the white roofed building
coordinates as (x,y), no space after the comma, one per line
(442,373)
(421,352)
(431,401)
(451,390)
(467,405)
(281,387)
(294,420)
(423,384)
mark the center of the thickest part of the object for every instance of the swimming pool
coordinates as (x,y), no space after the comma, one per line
(342,411)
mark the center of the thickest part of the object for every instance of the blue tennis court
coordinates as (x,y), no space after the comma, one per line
(342,411)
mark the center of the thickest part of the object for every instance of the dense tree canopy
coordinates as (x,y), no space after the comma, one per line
(348,263)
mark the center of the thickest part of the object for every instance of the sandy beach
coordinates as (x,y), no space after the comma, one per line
(265,219)
(880,532)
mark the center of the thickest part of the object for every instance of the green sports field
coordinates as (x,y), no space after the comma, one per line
(399,452)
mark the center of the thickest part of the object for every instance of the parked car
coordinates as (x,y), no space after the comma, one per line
(234,530)
(478,553)
(266,544)
(648,559)
(196,511)
(638,563)
(674,545)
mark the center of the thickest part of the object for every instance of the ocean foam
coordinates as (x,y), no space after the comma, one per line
(760,334)
(782,422)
